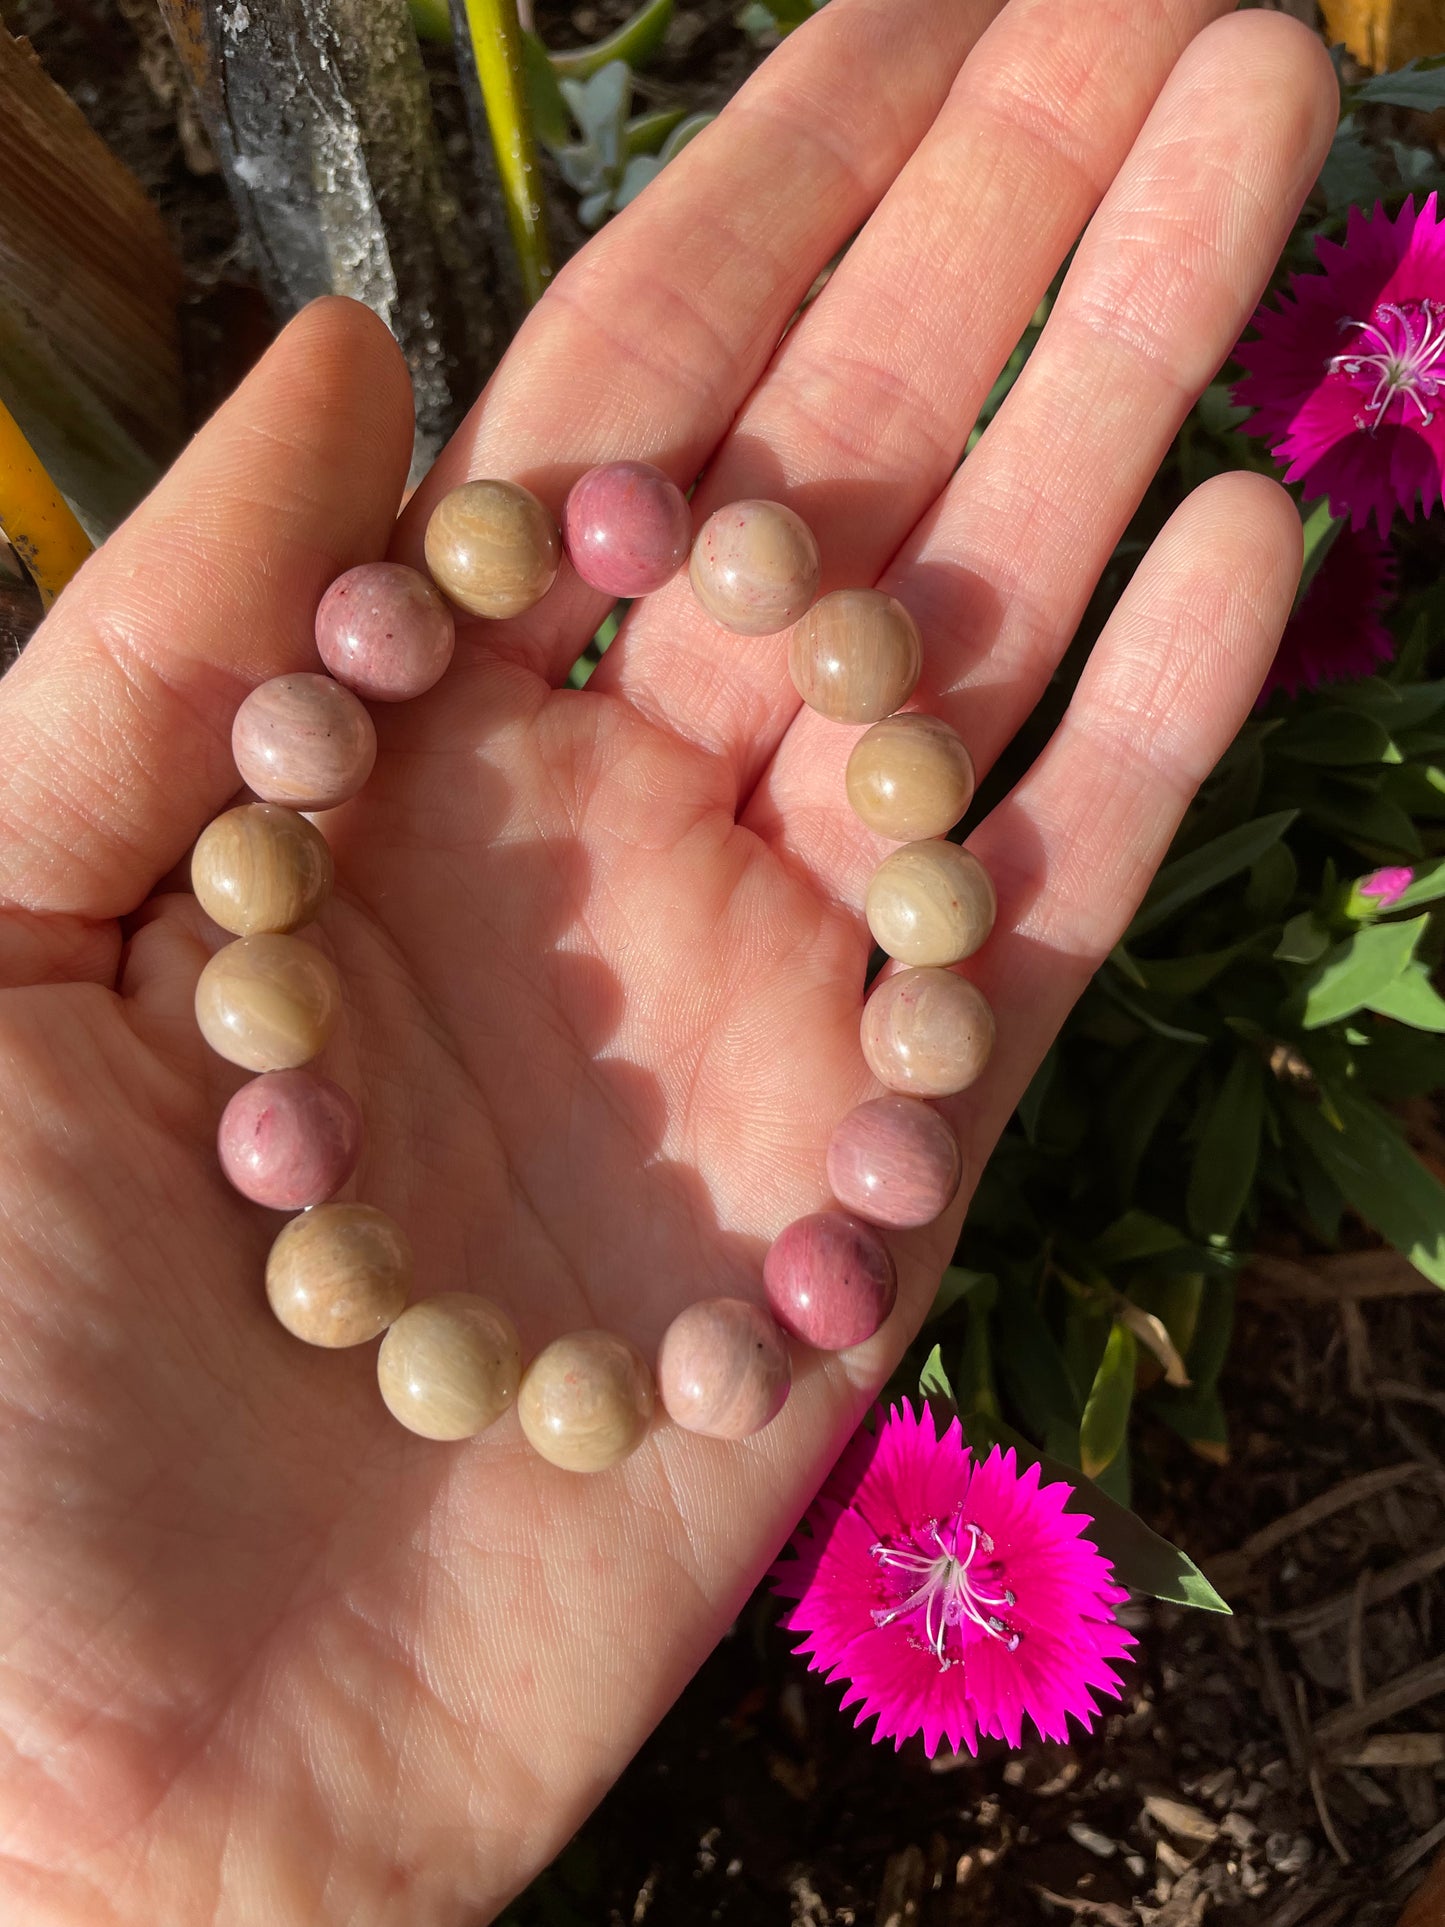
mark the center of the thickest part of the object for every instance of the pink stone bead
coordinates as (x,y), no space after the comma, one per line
(627,528)
(895,1161)
(385,631)
(830,1280)
(289,1139)
(303,741)
(723,1369)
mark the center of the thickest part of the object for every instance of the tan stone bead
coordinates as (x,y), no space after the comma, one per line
(754,567)
(586,1401)
(450,1366)
(926,1032)
(856,656)
(493,548)
(338,1275)
(910,776)
(261,870)
(930,903)
(268,1003)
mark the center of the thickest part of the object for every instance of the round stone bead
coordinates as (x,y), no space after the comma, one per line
(723,1369)
(755,567)
(289,1139)
(303,741)
(268,1003)
(261,871)
(895,1162)
(338,1275)
(830,1280)
(910,776)
(385,631)
(627,528)
(450,1366)
(926,1032)
(586,1401)
(930,903)
(856,656)
(493,548)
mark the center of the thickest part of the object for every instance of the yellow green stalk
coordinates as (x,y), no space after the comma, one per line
(35,516)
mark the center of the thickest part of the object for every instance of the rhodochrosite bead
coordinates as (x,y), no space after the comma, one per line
(627,528)
(830,1280)
(723,1369)
(303,741)
(586,1401)
(755,567)
(930,903)
(926,1032)
(493,548)
(910,776)
(268,1003)
(385,631)
(450,1366)
(289,1139)
(261,870)
(338,1275)
(894,1161)
(856,656)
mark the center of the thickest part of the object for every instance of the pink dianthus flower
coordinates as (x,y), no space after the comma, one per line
(954,1594)
(1337,634)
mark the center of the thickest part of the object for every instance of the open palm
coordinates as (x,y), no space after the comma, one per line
(264,1655)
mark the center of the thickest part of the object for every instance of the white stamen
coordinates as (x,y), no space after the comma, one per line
(946,1592)
(1403,369)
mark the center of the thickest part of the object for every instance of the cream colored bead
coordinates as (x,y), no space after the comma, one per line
(930,903)
(586,1401)
(338,1275)
(926,1032)
(450,1366)
(268,1003)
(492,548)
(261,870)
(910,776)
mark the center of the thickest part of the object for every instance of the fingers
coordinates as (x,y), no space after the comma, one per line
(1163,282)
(867,409)
(648,343)
(115,724)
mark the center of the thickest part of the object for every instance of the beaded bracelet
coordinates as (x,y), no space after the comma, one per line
(339,1274)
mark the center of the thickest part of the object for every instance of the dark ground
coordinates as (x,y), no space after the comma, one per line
(1283,1768)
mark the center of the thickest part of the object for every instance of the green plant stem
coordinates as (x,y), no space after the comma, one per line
(1320,530)
(635,41)
(496,42)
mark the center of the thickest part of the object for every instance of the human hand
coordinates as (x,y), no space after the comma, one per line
(265,1655)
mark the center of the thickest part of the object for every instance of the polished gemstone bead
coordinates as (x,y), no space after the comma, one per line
(930,903)
(586,1401)
(855,656)
(723,1368)
(268,1003)
(385,631)
(910,776)
(450,1366)
(303,741)
(493,548)
(830,1280)
(338,1275)
(289,1139)
(896,1162)
(755,567)
(261,870)
(627,528)
(926,1032)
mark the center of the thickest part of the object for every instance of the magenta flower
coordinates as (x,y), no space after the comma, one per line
(1387,886)
(954,1594)
(1346,374)
(1336,634)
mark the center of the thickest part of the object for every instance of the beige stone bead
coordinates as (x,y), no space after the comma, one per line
(303,741)
(586,1401)
(930,903)
(261,870)
(493,548)
(910,776)
(855,656)
(450,1366)
(754,567)
(926,1032)
(268,1003)
(338,1275)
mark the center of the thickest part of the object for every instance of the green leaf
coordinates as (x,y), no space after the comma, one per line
(1334,738)
(1412,999)
(1198,1417)
(1105,1423)
(933,1379)
(1273,880)
(1032,1365)
(635,41)
(1420,85)
(1137,1105)
(1184,976)
(958,1284)
(1379,1175)
(1032,1102)
(1176,1033)
(1305,939)
(550,116)
(1349,176)
(1371,824)
(1222,1176)
(1188,877)
(1134,1236)
(1213,1329)
(1355,972)
(1320,529)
